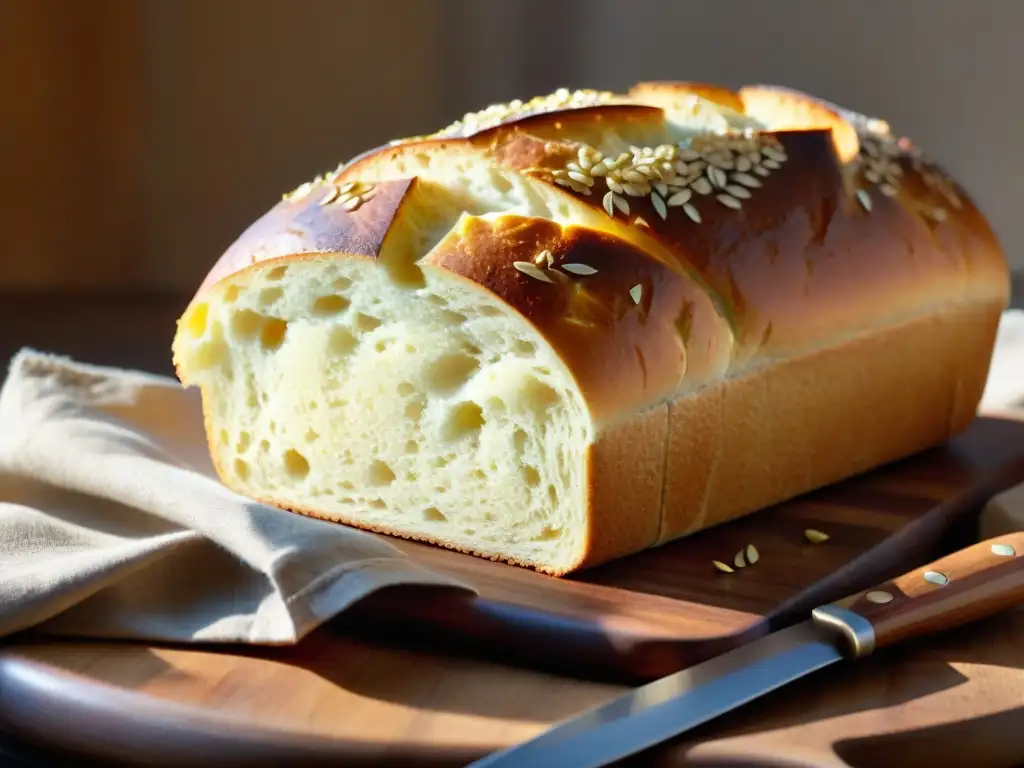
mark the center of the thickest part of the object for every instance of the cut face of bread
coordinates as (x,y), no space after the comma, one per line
(439,414)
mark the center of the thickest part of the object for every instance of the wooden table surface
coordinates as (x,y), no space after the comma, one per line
(956,699)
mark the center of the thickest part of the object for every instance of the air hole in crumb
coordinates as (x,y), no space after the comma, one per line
(464,419)
(252,401)
(469,532)
(414,409)
(312,435)
(524,348)
(347,485)
(404,274)
(245,323)
(410,349)
(196,320)
(381,473)
(241,469)
(330,305)
(538,396)
(340,341)
(272,335)
(433,513)
(405,389)
(295,464)
(449,372)
(269,295)
(519,441)
(411,477)
(378,504)
(479,474)
(347,500)
(440,461)
(531,476)
(264,446)
(543,370)
(470,348)
(496,405)
(439,301)
(244,439)
(273,427)
(231,294)
(440,489)
(489,311)
(224,438)
(499,182)
(451,317)
(552,495)
(548,533)
(382,345)
(412,447)
(277,273)
(366,323)
(341,283)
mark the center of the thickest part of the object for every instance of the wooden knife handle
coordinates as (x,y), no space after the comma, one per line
(967,585)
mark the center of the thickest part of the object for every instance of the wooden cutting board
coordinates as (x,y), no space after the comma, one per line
(650,614)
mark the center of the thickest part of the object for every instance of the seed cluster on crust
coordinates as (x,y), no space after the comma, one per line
(496,114)
(881,166)
(724,166)
(348,196)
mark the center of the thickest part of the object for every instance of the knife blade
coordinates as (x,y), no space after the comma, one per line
(974,582)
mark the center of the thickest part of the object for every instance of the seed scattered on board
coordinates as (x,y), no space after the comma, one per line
(722,567)
(739,561)
(815,537)
(752,554)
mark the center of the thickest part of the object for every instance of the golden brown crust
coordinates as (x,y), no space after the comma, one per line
(317,220)
(815,419)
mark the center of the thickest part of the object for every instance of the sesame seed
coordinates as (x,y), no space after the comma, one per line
(613,185)
(532,270)
(746,180)
(680,197)
(348,186)
(659,205)
(815,537)
(752,554)
(864,198)
(581,178)
(640,221)
(760,170)
(702,186)
(608,202)
(579,269)
(938,214)
(774,154)
(722,566)
(737,191)
(888,190)
(330,197)
(739,561)
(729,201)
(636,293)
(351,203)
(621,204)
(544,256)
(692,212)
(662,189)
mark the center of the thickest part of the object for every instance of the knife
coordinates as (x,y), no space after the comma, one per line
(967,585)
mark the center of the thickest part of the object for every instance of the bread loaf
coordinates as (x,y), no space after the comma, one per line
(562,331)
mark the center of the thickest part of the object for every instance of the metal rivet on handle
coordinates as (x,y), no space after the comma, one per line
(878,597)
(1003,550)
(934,577)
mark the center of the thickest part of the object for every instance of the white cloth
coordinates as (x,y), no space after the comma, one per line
(112,523)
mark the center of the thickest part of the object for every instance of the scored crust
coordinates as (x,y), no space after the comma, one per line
(766,294)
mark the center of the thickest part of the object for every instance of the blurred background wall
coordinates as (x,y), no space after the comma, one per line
(139,137)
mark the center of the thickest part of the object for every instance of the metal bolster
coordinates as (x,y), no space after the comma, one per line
(855,630)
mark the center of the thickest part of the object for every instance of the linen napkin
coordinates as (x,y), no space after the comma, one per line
(113,524)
